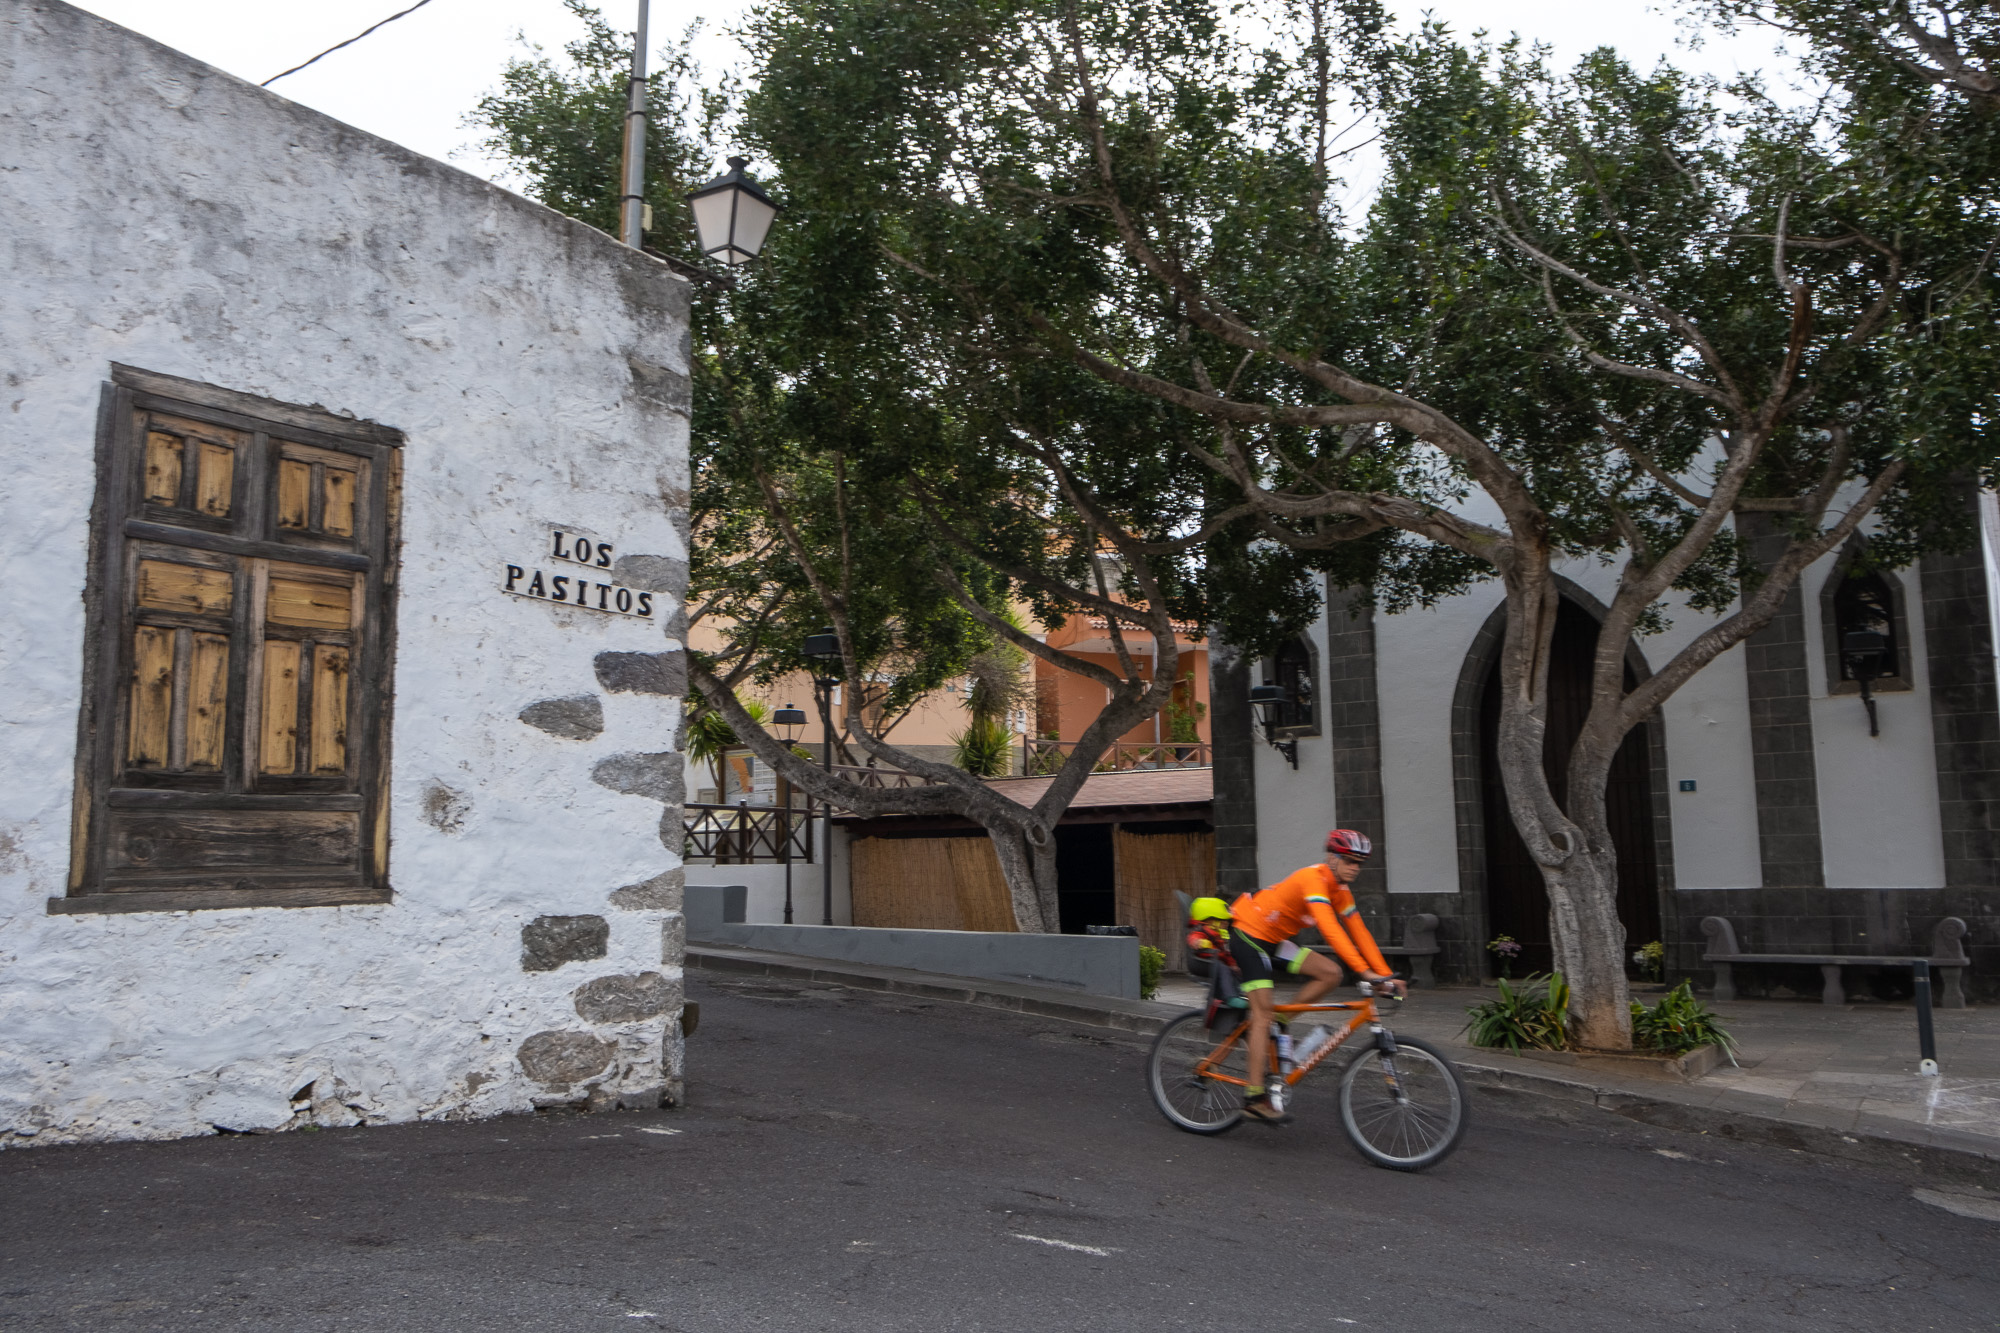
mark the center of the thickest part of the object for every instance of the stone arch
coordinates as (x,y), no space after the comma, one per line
(1468,795)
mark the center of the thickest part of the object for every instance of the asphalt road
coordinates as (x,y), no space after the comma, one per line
(865,1162)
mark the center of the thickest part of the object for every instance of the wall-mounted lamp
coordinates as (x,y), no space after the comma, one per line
(1269,701)
(1866,654)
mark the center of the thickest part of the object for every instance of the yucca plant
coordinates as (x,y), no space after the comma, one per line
(1678,1024)
(984,749)
(1534,1015)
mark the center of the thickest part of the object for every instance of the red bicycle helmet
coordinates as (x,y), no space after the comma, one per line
(1346,842)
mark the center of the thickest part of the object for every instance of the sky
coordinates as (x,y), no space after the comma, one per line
(415,80)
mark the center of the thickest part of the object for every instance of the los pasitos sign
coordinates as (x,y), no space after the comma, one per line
(579,590)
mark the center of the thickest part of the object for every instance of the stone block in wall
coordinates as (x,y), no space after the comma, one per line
(558,1059)
(579,717)
(548,942)
(626,999)
(662,892)
(643,673)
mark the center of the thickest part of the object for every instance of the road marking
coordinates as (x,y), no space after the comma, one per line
(642,1314)
(1979,1207)
(1063,1244)
(648,1129)
(1677,1156)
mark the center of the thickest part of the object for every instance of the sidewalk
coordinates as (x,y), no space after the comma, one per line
(1841,1082)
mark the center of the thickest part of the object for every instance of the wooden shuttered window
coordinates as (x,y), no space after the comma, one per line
(234,744)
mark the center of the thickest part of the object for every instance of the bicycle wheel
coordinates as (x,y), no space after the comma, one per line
(1187,1098)
(1407,1121)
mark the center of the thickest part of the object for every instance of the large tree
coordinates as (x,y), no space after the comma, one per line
(851,469)
(1638,320)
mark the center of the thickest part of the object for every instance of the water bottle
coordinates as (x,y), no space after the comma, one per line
(1284,1052)
(1310,1047)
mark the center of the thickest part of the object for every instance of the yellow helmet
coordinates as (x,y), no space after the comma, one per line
(1208,909)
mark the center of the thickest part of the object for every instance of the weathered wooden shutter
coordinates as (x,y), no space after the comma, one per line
(235,734)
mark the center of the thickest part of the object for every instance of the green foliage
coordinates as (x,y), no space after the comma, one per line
(709,738)
(560,126)
(984,749)
(1184,720)
(1532,1016)
(1152,963)
(1651,959)
(1678,1024)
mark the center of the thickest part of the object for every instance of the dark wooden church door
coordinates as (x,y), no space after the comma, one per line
(1517,902)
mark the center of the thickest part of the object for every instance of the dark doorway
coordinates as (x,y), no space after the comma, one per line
(1517,903)
(1086,877)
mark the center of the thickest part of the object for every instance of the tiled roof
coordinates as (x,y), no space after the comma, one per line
(1136,786)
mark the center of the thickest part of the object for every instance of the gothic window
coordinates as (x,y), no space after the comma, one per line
(235,729)
(1857,601)
(1292,668)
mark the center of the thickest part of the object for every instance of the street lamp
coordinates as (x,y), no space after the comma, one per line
(824,649)
(732,215)
(788,720)
(1269,700)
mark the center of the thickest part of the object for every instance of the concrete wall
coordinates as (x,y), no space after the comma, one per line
(1092,964)
(165,215)
(766,887)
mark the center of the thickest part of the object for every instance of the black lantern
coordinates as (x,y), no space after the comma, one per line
(788,720)
(732,215)
(1866,655)
(1269,700)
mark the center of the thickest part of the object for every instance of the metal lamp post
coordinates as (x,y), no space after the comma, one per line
(1269,701)
(788,720)
(824,648)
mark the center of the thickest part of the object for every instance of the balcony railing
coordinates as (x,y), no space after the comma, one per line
(1043,758)
(880,779)
(745,834)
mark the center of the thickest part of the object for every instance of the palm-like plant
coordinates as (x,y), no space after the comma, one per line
(710,737)
(997,685)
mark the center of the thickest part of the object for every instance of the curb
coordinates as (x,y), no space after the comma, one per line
(1883,1144)
(1139,1016)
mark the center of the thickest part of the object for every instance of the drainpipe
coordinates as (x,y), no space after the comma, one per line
(632,199)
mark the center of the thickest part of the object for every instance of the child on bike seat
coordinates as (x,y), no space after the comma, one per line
(1260,940)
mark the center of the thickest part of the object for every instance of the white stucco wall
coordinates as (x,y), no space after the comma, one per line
(165,215)
(1878,795)
(1295,808)
(1418,656)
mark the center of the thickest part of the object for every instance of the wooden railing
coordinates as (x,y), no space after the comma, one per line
(1043,758)
(880,779)
(745,834)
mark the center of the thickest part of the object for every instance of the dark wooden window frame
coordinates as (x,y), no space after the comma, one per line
(1297,718)
(123,522)
(1898,677)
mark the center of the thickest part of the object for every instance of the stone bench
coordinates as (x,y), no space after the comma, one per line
(1420,946)
(1948,959)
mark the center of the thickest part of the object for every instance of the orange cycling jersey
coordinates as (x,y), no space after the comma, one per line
(1276,914)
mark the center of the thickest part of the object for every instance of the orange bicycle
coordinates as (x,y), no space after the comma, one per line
(1402,1101)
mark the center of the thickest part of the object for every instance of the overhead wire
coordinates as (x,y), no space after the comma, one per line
(349,42)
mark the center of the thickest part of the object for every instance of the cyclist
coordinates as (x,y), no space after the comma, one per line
(1260,940)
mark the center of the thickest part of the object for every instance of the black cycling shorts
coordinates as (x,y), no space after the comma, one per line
(1260,962)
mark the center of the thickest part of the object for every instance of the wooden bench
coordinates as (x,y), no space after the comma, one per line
(1948,958)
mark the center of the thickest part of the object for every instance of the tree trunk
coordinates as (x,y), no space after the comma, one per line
(1590,946)
(1030,870)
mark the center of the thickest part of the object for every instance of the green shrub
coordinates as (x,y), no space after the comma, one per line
(1151,963)
(1678,1024)
(1535,1015)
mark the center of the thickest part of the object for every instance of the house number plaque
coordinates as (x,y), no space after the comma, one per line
(573,581)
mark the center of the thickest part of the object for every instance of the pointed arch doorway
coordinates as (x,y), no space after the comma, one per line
(1517,902)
